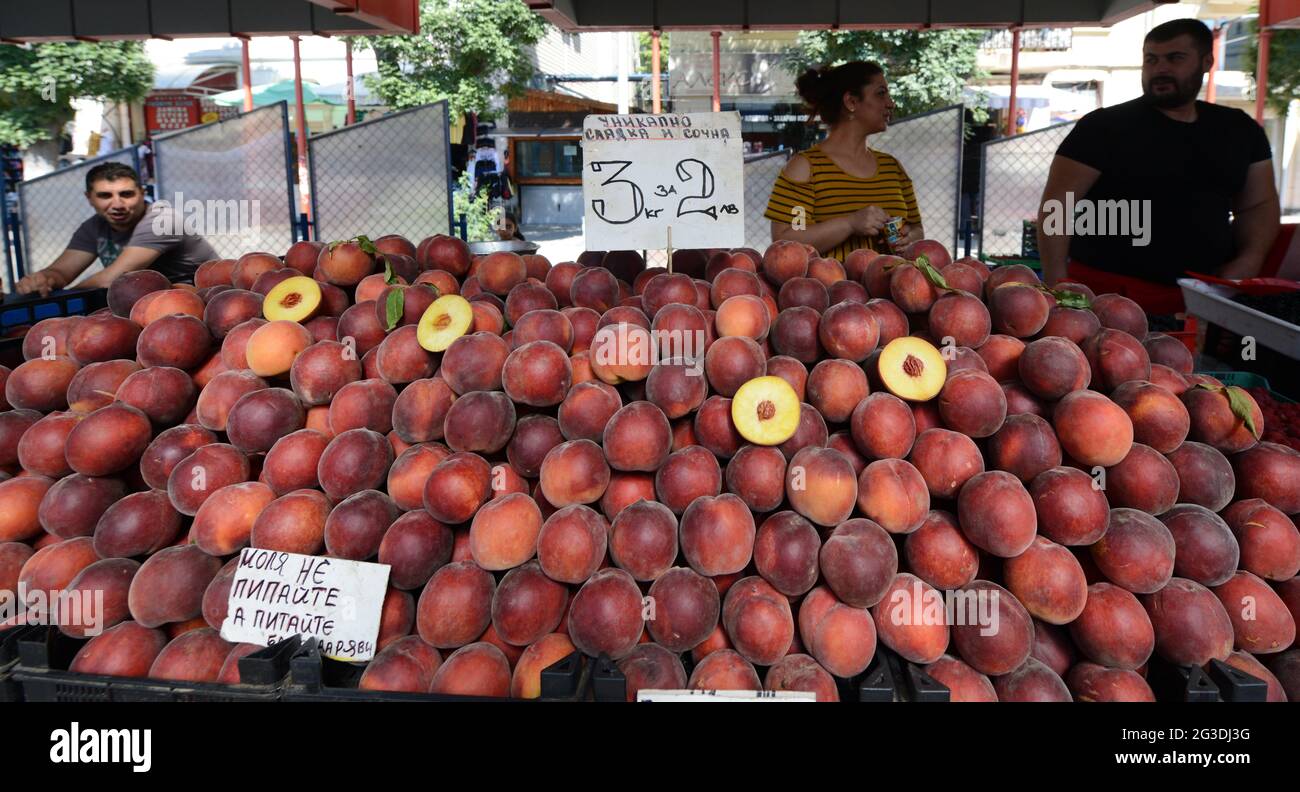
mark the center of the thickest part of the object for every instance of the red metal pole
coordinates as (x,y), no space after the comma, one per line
(1261,69)
(300,123)
(654,72)
(248,80)
(1015,79)
(1210,88)
(352,92)
(717,70)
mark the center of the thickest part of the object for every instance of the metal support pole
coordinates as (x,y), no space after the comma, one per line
(1210,88)
(717,70)
(1261,69)
(655,88)
(1015,80)
(248,78)
(352,91)
(300,123)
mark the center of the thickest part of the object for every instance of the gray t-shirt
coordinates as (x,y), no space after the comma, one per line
(180,254)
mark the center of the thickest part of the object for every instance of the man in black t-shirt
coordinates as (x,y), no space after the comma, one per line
(1141,192)
(125,234)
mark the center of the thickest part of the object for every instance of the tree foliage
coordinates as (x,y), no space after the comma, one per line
(39,82)
(1283,65)
(471,52)
(926,69)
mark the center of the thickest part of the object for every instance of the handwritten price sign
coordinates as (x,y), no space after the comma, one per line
(645,173)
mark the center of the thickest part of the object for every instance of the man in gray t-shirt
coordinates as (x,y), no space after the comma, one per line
(125,234)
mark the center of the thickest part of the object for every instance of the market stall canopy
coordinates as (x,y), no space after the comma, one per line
(809,14)
(274,92)
(52,20)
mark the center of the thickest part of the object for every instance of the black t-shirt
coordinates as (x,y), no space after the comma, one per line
(1190,173)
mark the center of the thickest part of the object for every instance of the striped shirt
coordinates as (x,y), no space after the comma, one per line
(832,193)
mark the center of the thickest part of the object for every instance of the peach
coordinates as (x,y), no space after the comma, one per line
(795,334)
(273,346)
(109,578)
(1113,629)
(41,448)
(51,569)
(357,525)
(808,292)
(359,329)
(48,338)
(810,430)
(131,286)
(1191,625)
(945,459)
(262,417)
(1025,446)
(169,586)
(892,493)
(1075,324)
(676,387)
(939,554)
(504,533)
(961,317)
(993,652)
(821,485)
(997,514)
(108,440)
(1160,419)
(651,667)
(1018,309)
(1048,581)
(73,505)
(859,561)
(731,362)
(292,523)
(141,523)
(1269,542)
(1214,422)
(216,597)
(715,428)
(786,553)
(1071,507)
(971,402)
(784,260)
(756,474)
(1206,549)
(1260,619)
(455,606)
(963,682)
(1001,355)
(224,522)
(527,605)
(686,609)
(234,347)
(686,475)
(415,546)
(790,370)
(1120,313)
(103,337)
(800,672)
(1136,553)
(125,650)
(93,386)
(571,544)
(724,669)
(406,665)
(835,388)
(911,290)
(1143,480)
(40,384)
(321,371)
(840,637)
(758,620)
(165,395)
(354,460)
(364,404)
(847,330)
(1052,367)
(1270,472)
(457,487)
(477,669)
(667,288)
(1092,429)
(220,396)
(195,656)
(537,374)
(1168,351)
(1008,273)
(586,409)
(229,309)
(643,539)
(292,461)
(606,615)
(442,252)
(1169,379)
(20,502)
(1020,401)
(1032,682)
(717,534)
(400,358)
(1116,358)
(910,620)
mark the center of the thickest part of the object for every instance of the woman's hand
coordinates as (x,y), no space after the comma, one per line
(869,221)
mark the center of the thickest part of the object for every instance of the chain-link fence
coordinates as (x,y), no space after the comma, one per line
(1012,174)
(232,180)
(51,207)
(391,175)
(928,146)
(761,171)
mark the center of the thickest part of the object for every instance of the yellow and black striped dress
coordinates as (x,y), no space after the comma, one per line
(831,193)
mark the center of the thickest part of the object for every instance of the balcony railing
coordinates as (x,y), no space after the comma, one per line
(1033,40)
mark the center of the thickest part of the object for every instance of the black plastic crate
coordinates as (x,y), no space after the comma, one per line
(45,653)
(1217,681)
(888,678)
(10,689)
(314,677)
(28,309)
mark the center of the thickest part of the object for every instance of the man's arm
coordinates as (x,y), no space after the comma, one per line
(60,273)
(1256,216)
(130,259)
(1065,176)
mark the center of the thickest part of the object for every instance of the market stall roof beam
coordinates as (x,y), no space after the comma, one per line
(95,20)
(810,14)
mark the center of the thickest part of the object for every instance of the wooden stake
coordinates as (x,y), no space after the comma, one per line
(670,249)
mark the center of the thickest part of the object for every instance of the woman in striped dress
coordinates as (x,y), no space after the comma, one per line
(838,195)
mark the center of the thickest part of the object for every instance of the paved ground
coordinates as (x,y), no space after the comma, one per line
(557,244)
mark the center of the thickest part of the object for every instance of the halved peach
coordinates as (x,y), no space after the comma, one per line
(912,369)
(447,318)
(295,299)
(766,411)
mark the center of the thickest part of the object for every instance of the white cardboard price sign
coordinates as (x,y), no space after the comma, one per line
(276,595)
(642,174)
(724,695)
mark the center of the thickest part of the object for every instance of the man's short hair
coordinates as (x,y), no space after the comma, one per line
(1168,31)
(111,171)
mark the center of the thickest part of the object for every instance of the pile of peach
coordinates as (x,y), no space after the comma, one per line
(853,446)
